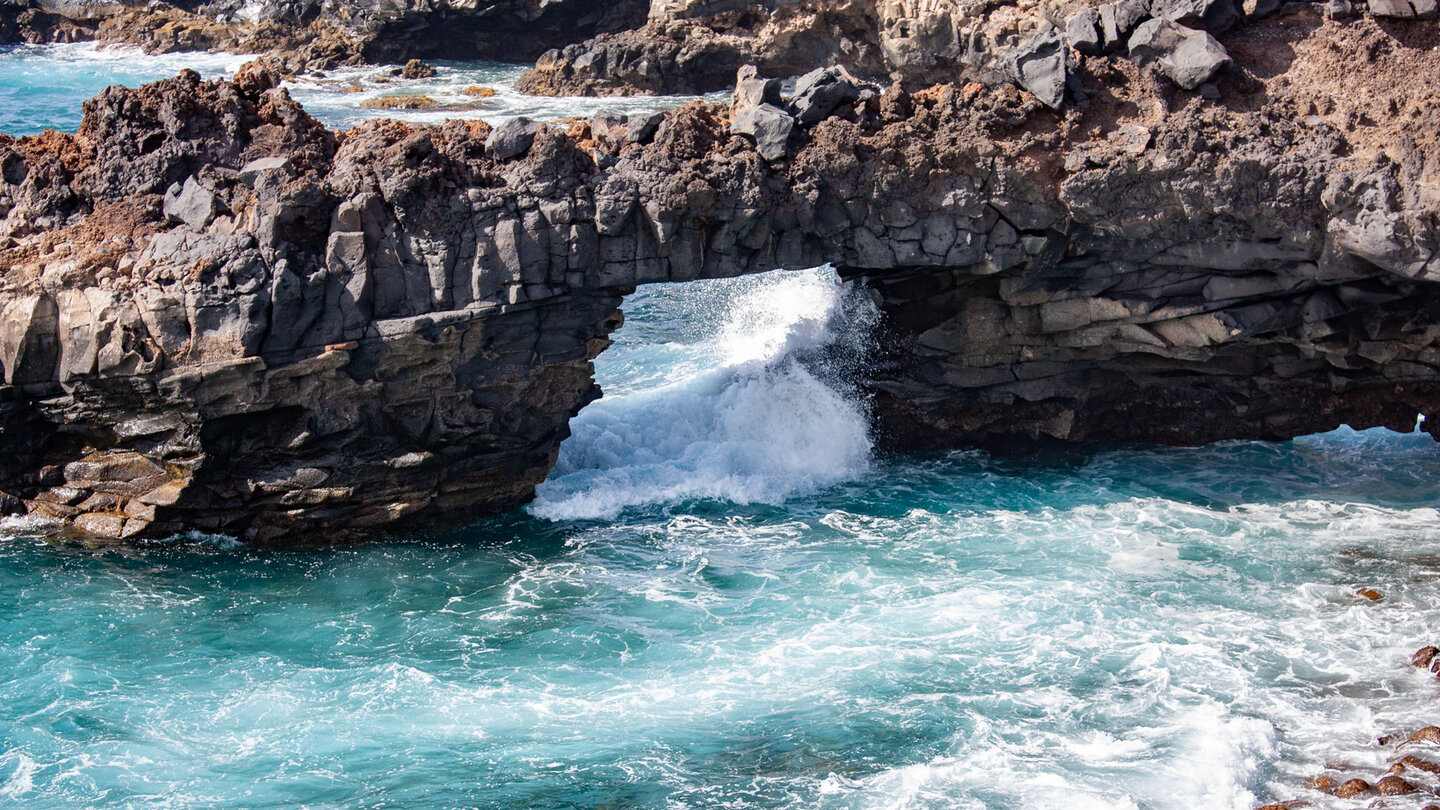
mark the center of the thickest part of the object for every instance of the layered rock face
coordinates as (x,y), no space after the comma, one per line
(695,46)
(306,34)
(218,315)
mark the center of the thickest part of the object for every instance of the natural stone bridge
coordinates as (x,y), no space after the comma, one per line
(219,315)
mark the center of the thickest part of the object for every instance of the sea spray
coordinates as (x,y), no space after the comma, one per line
(761,403)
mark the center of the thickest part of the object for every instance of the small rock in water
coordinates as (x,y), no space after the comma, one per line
(1324,784)
(1420,764)
(399,102)
(1352,788)
(1424,656)
(478,92)
(416,69)
(1426,734)
(1370,593)
(1394,786)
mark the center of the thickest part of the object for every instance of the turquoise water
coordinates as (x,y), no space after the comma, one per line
(44,86)
(723,598)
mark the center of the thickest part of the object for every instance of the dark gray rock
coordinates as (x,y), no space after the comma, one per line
(1083,31)
(752,91)
(642,126)
(251,172)
(820,92)
(1117,20)
(511,139)
(1039,67)
(769,126)
(1404,9)
(1214,16)
(1187,57)
(191,204)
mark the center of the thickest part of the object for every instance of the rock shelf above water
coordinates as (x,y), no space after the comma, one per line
(219,315)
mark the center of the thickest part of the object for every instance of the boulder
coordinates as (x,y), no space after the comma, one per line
(1117,20)
(770,126)
(642,126)
(511,139)
(191,204)
(1404,9)
(1083,31)
(1212,15)
(416,69)
(1186,56)
(251,172)
(752,91)
(1394,786)
(820,92)
(1351,788)
(1039,67)
(1424,656)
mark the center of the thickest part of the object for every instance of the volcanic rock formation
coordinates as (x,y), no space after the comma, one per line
(219,315)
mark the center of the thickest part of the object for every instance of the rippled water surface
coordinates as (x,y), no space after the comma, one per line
(44,86)
(723,598)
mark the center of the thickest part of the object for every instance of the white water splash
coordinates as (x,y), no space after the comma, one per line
(763,415)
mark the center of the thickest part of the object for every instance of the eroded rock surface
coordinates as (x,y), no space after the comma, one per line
(219,315)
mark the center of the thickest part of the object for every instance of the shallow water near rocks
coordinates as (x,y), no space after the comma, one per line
(720,601)
(44,86)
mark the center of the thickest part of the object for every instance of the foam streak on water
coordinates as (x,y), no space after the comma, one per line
(1158,629)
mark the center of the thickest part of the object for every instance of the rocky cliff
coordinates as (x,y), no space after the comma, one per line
(307,34)
(219,315)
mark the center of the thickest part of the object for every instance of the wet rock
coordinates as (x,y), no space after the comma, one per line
(399,102)
(820,93)
(1083,31)
(1352,788)
(511,139)
(1186,56)
(1323,783)
(1429,734)
(1420,764)
(1394,786)
(475,91)
(769,126)
(1039,67)
(417,69)
(1369,593)
(1424,656)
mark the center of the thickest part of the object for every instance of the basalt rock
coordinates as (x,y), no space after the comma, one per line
(303,34)
(390,328)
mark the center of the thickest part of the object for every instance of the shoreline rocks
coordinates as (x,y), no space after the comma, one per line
(320,334)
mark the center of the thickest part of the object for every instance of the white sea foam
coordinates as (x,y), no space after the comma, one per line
(762,420)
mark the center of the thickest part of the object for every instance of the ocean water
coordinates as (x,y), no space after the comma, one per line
(44,86)
(724,598)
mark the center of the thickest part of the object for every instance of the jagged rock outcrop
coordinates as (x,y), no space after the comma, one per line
(308,34)
(219,315)
(695,47)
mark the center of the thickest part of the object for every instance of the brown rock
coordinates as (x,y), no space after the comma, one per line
(416,69)
(1424,656)
(104,525)
(1426,734)
(1352,787)
(478,92)
(399,102)
(1419,764)
(1324,784)
(1370,593)
(1394,786)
